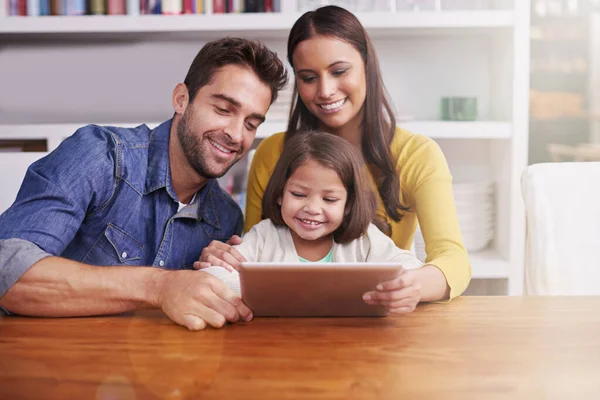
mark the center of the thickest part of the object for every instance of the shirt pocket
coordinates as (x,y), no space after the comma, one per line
(115,247)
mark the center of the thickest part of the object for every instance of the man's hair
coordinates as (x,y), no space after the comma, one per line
(331,152)
(251,54)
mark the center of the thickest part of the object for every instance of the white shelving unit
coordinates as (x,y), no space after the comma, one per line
(55,133)
(265,24)
(59,73)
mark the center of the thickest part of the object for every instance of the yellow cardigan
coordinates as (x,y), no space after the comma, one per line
(425,187)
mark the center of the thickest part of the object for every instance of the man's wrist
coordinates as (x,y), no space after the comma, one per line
(153,286)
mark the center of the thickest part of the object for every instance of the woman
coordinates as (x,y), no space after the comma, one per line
(339,89)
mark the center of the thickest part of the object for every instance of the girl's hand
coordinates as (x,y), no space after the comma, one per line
(400,295)
(221,254)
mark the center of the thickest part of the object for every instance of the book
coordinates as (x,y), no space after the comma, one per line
(199,7)
(172,7)
(188,7)
(96,7)
(74,7)
(133,7)
(219,6)
(238,6)
(44,7)
(3,8)
(115,7)
(154,6)
(33,8)
(57,7)
(251,6)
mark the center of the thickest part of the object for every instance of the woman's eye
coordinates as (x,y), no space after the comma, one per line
(339,72)
(296,194)
(308,79)
(330,199)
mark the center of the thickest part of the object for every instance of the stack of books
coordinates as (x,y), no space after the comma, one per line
(134,7)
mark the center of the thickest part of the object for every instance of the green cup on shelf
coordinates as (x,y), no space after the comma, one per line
(459,108)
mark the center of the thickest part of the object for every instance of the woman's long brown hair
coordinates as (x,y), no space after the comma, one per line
(379,123)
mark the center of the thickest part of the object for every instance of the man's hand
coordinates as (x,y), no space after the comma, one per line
(221,254)
(196,299)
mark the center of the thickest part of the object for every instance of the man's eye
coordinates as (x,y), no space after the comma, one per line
(222,110)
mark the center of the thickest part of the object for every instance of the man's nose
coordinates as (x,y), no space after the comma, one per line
(235,131)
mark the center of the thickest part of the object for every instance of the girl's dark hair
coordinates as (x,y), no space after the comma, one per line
(379,123)
(331,152)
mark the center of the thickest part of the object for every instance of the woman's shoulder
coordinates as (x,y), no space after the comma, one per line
(412,149)
(267,153)
(272,143)
(418,159)
(406,142)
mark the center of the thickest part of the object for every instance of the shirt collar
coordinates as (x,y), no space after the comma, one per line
(159,169)
(204,207)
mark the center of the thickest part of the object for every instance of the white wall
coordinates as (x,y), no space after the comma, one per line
(138,77)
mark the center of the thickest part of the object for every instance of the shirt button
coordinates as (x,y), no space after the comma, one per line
(161,263)
(124,255)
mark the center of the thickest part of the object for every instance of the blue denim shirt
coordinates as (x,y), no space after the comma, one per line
(105,197)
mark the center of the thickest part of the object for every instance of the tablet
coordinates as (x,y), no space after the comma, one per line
(313,289)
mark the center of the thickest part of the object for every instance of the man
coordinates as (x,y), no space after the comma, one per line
(141,203)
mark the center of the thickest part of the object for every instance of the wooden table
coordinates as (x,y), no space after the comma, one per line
(472,348)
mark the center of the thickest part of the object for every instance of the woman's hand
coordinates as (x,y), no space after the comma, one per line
(399,296)
(221,254)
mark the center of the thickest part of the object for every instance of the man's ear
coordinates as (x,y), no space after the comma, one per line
(180,98)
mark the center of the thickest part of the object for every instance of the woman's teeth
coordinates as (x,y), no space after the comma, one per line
(333,106)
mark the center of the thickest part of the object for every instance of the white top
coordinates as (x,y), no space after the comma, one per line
(266,242)
(182,205)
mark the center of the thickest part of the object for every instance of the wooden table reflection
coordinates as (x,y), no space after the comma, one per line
(472,348)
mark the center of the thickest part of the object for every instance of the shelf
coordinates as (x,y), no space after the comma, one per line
(258,25)
(433,129)
(459,130)
(488,264)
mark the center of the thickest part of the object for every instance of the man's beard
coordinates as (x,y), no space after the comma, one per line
(197,155)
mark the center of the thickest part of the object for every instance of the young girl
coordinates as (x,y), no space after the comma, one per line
(318,207)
